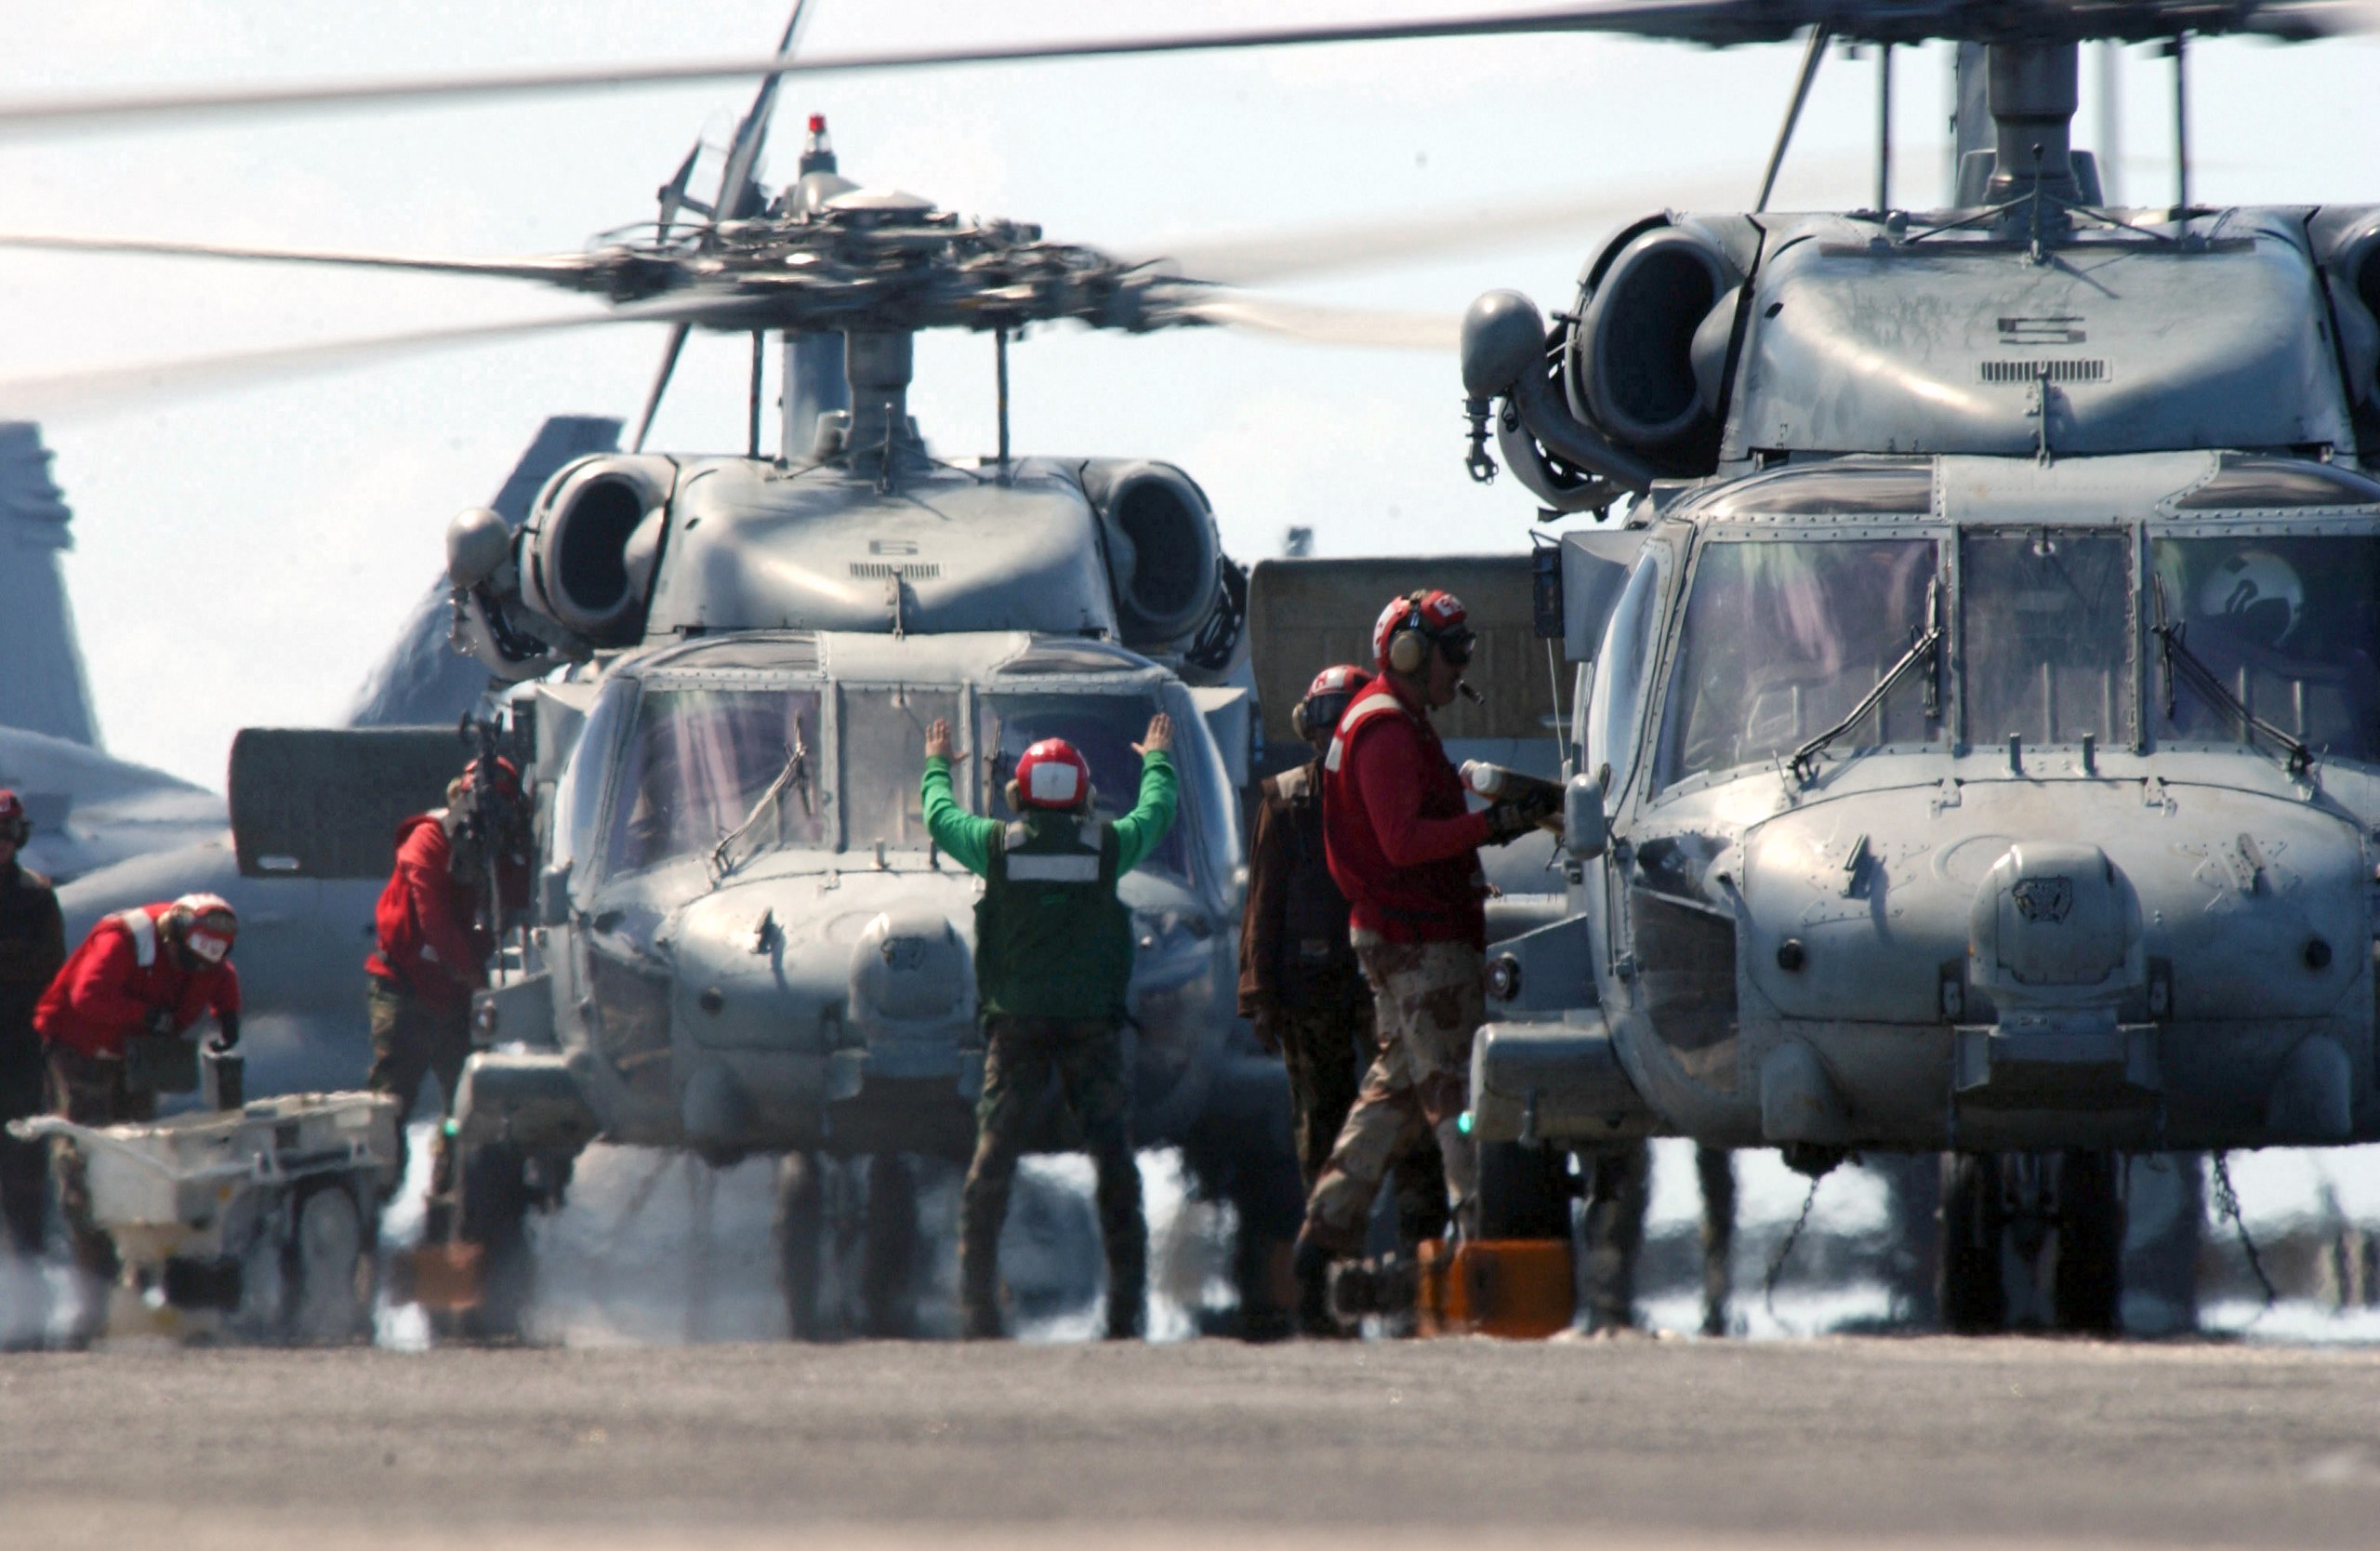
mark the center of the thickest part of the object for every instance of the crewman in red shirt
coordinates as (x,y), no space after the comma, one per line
(1403,846)
(436,932)
(151,972)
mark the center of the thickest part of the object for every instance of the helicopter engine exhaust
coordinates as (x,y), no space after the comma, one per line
(588,550)
(1164,556)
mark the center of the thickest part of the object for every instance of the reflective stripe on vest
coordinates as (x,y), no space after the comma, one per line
(1356,714)
(142,929)
(1027,868)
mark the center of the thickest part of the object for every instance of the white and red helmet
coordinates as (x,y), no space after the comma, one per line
(1318,715)
(1432,617)
(1051,775)
(206,924)
(16,824)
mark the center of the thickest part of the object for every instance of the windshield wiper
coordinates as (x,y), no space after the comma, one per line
(2179,662)
(795,770)
(1927,649)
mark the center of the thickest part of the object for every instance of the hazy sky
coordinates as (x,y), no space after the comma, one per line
(244,557)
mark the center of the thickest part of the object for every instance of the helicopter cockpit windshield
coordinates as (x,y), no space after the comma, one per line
(697,764)
(1104,727)
(1783,638)
(2288,626)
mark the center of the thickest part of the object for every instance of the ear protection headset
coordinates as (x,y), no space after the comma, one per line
(1409,643)
(1422,621)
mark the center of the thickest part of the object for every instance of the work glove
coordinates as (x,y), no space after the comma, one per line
(227,1032)
(1509,820)
(160,1021)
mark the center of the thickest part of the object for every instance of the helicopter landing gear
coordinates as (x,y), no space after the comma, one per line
(822,1209)
(799,1227)
(2032,1241)
(480,1199)
(1525,1192)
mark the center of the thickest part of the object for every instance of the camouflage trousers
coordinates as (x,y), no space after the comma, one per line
(1428,1001)
(88,1089)
(1319,1046)
(1020,1055)
(412,1038)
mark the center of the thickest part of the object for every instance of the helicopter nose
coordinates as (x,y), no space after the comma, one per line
(2055,943)
(912,981)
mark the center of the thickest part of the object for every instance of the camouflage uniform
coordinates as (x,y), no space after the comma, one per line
(1428,1000)
(411,1037)
(1319,1046)
(1087,1056)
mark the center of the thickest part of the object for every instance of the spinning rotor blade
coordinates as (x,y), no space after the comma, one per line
(1316,324)
(1260,258)
(660,384)
(113,388)
(1717,22)
(559,269)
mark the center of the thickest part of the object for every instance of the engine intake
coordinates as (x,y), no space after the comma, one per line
(1164,556)
(1632,355)
(588,550)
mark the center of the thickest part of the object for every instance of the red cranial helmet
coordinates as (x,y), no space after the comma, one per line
(1409,626)
(16,826)
(206,924)
(1325,700)
(1051,776)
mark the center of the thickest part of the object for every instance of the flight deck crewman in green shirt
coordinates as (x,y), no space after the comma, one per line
(1053,960)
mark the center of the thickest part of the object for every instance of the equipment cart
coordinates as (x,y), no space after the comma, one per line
(254,1224)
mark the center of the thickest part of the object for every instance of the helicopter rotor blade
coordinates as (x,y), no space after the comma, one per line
(558,269)
(660,384)
(1315,324)
(1812,56)
(1716,22)
(752,130)
(109,389)
(1265,258)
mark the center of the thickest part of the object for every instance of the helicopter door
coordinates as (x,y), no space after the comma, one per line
(1615,715)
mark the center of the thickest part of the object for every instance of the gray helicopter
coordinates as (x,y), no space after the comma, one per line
(1981,734)
(742,940)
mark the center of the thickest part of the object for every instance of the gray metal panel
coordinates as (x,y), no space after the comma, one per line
(321,802)
(750,548)
(1305,615)
(1931,346)
(1595,567)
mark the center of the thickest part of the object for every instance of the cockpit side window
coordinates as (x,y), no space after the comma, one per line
(697,764)
(2290,626)
(1619,688)
(2046,620)
(882,737)
(578,800)
(1782,639)
(1104,727)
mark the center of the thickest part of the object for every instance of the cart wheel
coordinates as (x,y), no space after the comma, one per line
(326,1254)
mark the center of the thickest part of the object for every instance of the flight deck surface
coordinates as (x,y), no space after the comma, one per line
(1627,1443)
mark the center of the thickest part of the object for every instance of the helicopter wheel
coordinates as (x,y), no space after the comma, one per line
(1970,1294)
(1525,1192)
(889,1250)
(493,1214)
(2087,1285)
(800,1224)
